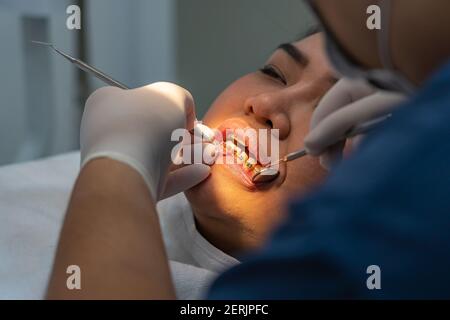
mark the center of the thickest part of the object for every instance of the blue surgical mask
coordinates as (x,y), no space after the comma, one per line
(387,78)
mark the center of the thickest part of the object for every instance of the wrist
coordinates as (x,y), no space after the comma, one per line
(104,176)
(110,160)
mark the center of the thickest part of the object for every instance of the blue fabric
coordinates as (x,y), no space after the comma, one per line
(387,205)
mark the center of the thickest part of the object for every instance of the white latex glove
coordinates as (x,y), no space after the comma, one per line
(135,126)
(347,104)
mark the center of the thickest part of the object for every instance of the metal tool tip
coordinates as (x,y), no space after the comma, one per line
(42,43)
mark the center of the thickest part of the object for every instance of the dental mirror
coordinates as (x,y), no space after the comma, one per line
(268,173)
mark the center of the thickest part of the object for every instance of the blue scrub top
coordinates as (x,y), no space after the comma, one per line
(387,205)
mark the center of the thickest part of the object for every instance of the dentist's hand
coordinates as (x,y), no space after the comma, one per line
(347,104)
(135,126)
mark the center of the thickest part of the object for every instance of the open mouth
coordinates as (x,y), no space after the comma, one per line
(240,152)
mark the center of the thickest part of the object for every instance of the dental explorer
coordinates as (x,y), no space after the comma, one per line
(206,131)
(268,173)
(85,67)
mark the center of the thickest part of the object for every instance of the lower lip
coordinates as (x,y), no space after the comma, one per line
(244,176)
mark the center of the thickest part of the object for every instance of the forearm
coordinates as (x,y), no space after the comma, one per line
(112,233)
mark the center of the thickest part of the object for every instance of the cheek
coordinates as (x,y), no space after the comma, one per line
(231,101)
(300,123)
(303,173)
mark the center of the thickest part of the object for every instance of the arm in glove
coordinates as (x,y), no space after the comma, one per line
(348,104)
(111,217)
(135,126)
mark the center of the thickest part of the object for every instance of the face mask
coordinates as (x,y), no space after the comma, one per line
(387,78)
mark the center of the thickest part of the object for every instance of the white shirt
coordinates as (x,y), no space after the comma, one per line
(33,201)
(194,261)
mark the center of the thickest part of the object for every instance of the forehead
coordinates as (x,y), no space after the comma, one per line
(311,46)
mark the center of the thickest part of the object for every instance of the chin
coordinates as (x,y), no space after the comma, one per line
(220,194)
(222,197)
(220,184)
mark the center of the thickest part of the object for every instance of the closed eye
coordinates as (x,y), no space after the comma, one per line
(273,72)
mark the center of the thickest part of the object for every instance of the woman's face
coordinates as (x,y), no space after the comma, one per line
(282,95)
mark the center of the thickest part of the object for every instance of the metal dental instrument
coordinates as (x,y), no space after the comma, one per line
(268,173)
(85,67)
(207,132)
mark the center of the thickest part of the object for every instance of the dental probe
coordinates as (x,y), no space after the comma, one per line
(206,131)
(85,67)
(268,173)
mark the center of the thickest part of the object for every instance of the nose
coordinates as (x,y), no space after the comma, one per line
(269,109)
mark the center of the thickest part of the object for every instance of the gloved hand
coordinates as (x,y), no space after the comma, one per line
(348,103)
(135,126)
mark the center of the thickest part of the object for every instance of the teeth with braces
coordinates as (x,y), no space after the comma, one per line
(240,155)
(248,163)
(239,143)
(232,147)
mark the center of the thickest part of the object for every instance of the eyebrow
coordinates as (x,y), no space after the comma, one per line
(296,54)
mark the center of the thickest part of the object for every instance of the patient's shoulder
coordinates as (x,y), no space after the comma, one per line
(174,213)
